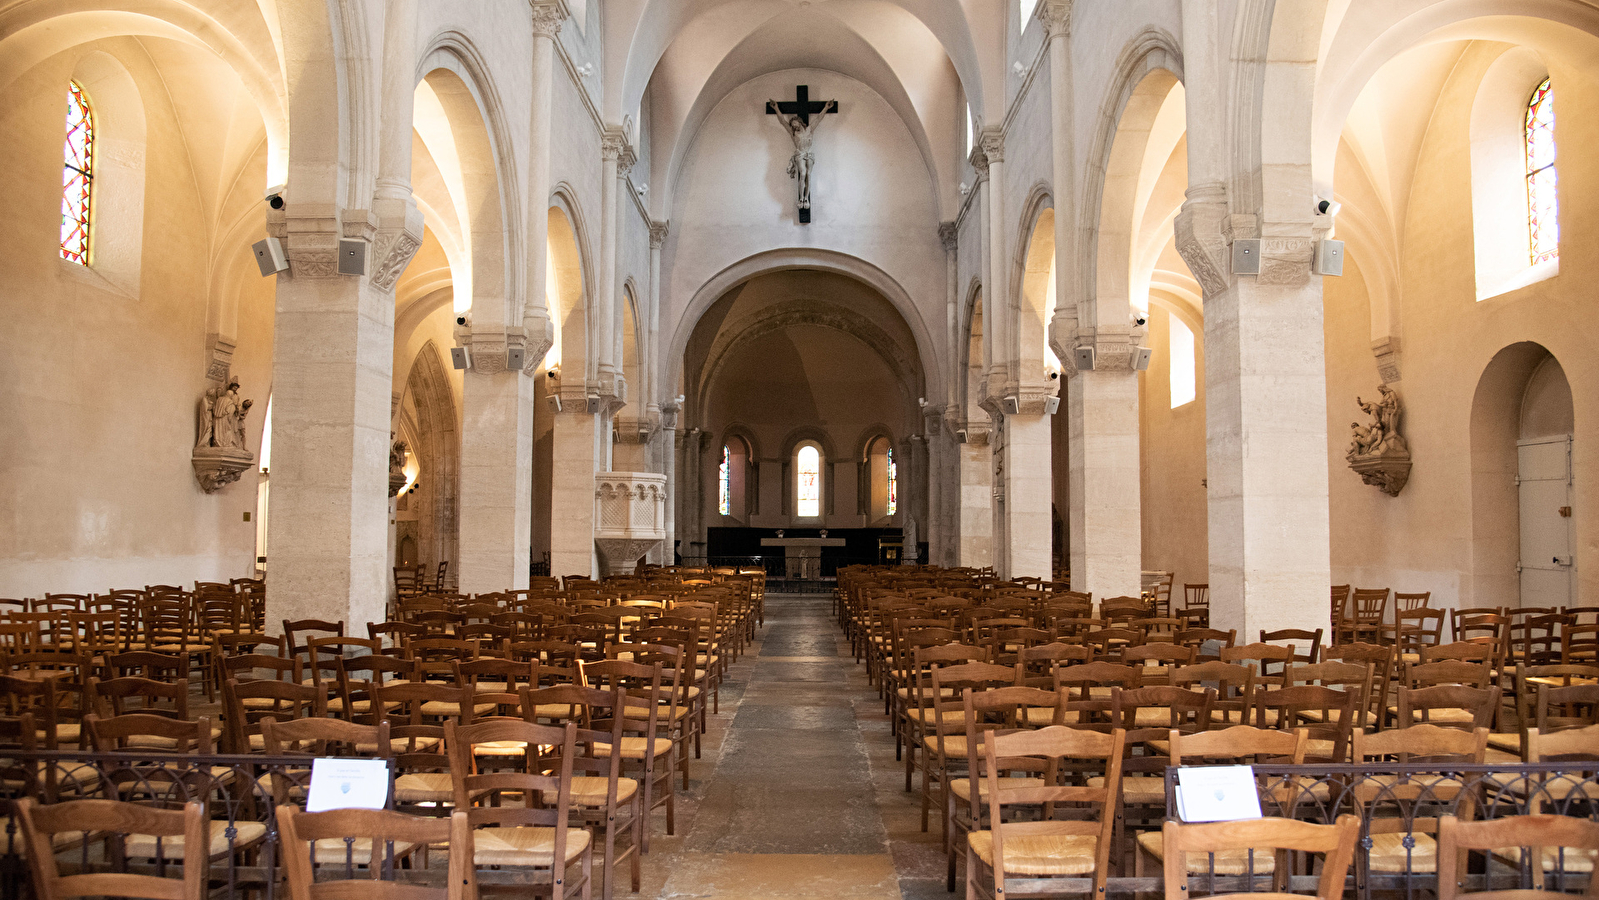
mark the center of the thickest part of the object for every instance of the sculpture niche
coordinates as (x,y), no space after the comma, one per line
(219,456)
(1378,452)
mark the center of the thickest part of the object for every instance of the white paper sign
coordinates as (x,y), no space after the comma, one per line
(1217,793)
(347,784)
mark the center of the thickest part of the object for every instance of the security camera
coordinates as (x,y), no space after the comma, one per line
(1326,207)
(1054,375)
(1139,319)
(460,320)
(274,196)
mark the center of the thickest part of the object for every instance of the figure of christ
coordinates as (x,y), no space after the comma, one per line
(803,135)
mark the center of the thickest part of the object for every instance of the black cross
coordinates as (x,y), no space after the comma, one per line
(802,105)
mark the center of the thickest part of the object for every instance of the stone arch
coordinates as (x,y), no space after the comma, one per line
(438,448)
(631,351)
(1146,69)
(792,442)
(974,338)
(1034,267)
(784,259)
(567,291)
(460,78)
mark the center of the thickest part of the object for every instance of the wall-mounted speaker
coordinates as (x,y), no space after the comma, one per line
(555,402)
(460,358)
(514,358)
(1329,258)
(1052,405)
(1013,405)
(1084,357)
(1246,257)
(352,257)
(269,256)
(1141,358)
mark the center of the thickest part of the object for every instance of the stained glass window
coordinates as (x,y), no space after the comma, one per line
(724,492)
(1543,225)
(893,483)
(77,177)
(810,482)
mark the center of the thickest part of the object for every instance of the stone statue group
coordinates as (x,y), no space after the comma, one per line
(1382,435)
(221,417)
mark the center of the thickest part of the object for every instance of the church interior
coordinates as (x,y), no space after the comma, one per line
(714,394)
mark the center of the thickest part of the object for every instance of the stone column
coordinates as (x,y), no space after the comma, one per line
(667,438)
(1104,519)
(612,144)
(576,437)
(996,288)
(332,378)
(974,502)
(1265,372)
(1026,480)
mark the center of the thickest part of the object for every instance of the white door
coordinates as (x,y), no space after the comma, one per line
(1547,563)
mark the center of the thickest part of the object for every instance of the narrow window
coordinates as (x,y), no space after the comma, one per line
(77,177)
(893,483)
(724,491)
(1182,363)
(810,482)
(1543,225)
(1027,7)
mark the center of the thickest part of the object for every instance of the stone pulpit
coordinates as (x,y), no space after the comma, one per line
(629,517)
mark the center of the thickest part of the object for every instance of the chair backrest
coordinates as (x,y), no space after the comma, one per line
(1422,743)
(1331,715)
(1312,640)
(1240,742)
(298,631)
(1560,708)
(1235,688)
(118,696)
(141,731)
(1418,705)
(1045,752)
(1335,842)
(41,823)
(1348,677)
(473,787)
(1542,833)
(381,830)
(279,700)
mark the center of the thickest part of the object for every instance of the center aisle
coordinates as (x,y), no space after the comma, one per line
(798,794)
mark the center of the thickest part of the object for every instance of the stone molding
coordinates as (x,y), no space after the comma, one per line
(1201,240)
(398,237)
(218,467)
(993,144)
(979,161)
(219,357)
(1115,346)
(1286,260)
(1386,349)
(948,235)
(658,232)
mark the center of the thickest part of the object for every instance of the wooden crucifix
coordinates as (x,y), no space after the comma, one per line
(796,118)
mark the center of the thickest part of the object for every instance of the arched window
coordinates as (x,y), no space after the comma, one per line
(1182,358)
(1543,225)
(808,482)
(893,483)
(77,177)
(723,493)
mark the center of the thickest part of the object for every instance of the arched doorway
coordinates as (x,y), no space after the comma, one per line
(1523,482)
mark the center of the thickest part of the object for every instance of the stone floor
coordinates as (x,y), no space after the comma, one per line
(797,794)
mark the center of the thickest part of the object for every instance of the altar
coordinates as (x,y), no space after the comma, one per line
(803,556)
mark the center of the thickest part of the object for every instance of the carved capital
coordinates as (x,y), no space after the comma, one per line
(1115,346)
(612,142)
(548,17)
(538,338)
(1286,260)
(658,232)
(993,144)
(979,162)
(1201,240)
(947,235)
(398,237)
(1387,352)
(1056,16)
(218,467)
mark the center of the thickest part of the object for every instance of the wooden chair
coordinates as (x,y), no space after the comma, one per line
(1450,705)
(1196,599)
(316,845)
(1340,609)
(1404,603)
(1234,686)
(1381,659)
(1574,788)
(642,750)
(1042,852)
(511,826)
(1389,833)
(1547,838)
(1560,708)
(1188,846)
(601,798)
(1348,677)
(298,632)
(1327,715)
(1368,609)
(313,738)
(170,832)
(1200,638)
(1262,655)
(421,766)
(999,710)
(943,743)
(278,700)
(1311,639)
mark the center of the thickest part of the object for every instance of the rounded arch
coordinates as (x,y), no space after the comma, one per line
(461,79)
(631,350)
(1509,381)
(1121,177)
(437,448)
(974,351)
(1034,276)
(33,32)
(567,287)
(788,258)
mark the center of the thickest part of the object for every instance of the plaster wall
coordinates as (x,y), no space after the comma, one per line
(102,380)
(1424,538)
(1172,459)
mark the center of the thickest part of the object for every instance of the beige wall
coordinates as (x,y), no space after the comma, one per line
(101,379)
(1172,450)
(1433,535)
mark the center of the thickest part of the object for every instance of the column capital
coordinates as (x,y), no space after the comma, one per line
(1202,238)
(1115,346)
(615,147)
(1386,349)
(548,17)
(947,235)
(993,144)
(658,232)
(399,236)
(979,160)
(1056,16)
